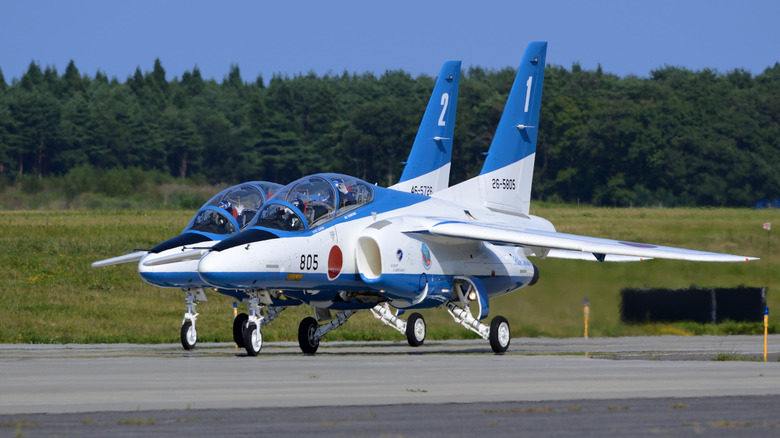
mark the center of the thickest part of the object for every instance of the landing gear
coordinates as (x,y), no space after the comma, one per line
(499,334)
(414,328)
(310,332)
(239,326)
(246,328)
(189,335)
(253,339)
(307,339)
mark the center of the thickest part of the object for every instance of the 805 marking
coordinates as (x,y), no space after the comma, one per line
(309,262)
(505,184)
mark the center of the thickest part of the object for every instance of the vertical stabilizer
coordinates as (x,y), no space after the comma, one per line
(504,184)
(428,168)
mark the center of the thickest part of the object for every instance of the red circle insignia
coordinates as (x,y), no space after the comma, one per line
(335,262)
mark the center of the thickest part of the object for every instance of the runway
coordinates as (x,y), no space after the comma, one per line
(117,380)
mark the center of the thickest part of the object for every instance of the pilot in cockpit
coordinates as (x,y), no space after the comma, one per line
(225,205)
(345,197)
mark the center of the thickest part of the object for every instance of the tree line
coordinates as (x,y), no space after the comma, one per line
(677,137)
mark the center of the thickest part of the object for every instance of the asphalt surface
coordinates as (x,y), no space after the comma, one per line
(644,386)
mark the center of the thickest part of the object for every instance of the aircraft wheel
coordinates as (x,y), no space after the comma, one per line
(415,330)
(306,338)
(253,339)
(499,334)
(189,336)
(239,326)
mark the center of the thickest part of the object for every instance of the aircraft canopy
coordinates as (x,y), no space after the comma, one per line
(233,208)
(318,199)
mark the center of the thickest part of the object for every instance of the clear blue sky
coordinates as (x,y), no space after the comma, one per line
(292,37)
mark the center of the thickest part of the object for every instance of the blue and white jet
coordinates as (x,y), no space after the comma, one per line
(356,246)
(170,263)
(225,214)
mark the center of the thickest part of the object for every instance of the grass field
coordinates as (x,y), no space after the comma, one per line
(50,293)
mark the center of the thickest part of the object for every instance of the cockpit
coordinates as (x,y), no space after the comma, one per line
(232,209)
(312,201)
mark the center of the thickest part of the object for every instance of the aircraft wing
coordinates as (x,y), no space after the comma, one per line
(127,258)
(570,243)
(579,255)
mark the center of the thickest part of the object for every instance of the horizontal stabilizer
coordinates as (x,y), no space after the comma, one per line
(127,258)
(572,242)
(193,254)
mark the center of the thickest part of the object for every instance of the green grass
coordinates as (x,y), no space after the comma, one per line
(50,293)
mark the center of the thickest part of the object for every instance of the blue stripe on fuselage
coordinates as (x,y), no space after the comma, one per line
(173,279)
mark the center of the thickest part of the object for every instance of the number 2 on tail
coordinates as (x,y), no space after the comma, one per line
(445,99)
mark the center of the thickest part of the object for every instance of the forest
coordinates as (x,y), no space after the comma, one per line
(675,138)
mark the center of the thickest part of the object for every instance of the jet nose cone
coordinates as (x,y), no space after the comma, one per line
(219,270)
(178,274)
(209,265)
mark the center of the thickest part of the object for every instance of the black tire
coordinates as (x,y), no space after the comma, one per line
(499,334)
(189,336)
(239,325)
(415,330)
(306,331)
(253,339)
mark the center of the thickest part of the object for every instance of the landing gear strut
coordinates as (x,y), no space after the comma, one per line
(246,328)
(498,331)
(189,334)
(414,328)
(310,332)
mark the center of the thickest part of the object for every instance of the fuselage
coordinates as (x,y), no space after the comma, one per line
(375,252)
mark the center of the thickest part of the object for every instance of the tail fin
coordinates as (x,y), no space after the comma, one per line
(428,167)
(505,181)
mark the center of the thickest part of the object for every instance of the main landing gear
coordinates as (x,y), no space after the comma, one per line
(310,332)
(498,330)
(414,328)
(497,333)
(189,334)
